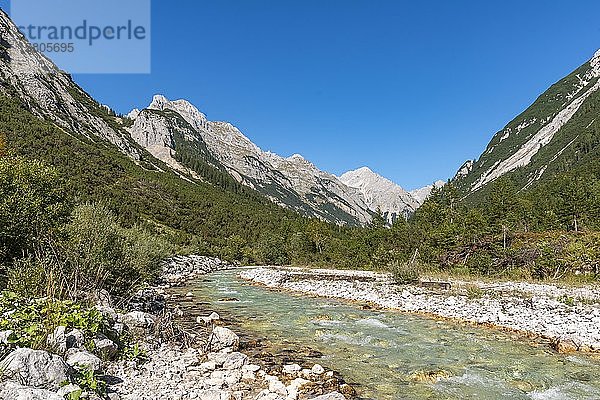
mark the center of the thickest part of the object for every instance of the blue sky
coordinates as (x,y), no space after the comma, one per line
(411,89)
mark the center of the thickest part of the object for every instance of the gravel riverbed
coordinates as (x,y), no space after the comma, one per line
(568,317)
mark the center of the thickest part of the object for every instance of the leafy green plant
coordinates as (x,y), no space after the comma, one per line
(87,380)
(569,301)
(135,353)
(32,320)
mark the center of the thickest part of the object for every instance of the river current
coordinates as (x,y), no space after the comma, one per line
(392,355)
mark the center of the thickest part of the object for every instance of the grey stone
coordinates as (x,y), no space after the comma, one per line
(14,391)
(35,368)
(107,312)
(75,339)
(291,369)
(138,319)
(105,347)
(84,360)
(223,337)
(5,336)
(68,389)
(208,320)
(214,394)
(57,340)
(235,361)
(331,396)
(317,369)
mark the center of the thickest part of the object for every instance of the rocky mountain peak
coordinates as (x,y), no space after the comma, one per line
(381,194)
(158,102)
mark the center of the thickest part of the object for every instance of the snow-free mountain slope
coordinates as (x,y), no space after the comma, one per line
(50,93)
(385,196)
(179,135)
(551,135)
(292,182)
(421,194)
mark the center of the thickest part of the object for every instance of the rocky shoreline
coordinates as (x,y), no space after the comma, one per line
(169,363)
(568,318)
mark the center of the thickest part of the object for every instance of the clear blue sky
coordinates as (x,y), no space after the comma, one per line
(411,89)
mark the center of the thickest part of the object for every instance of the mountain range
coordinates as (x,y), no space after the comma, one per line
(164,127)
(557,132)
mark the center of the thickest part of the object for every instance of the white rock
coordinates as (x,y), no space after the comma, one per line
(208,320)
(35,368)
(235,361)
(291,369)
(223,337)
(277,387)
(84,360)
(13,391)
(330,396)
(57,340)
(68,389)
(5,336)
(317,369)
(138,319)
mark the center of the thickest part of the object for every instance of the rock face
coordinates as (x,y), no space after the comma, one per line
(165,126)
(420,195)
(52,94)
(384,196)
(35,368)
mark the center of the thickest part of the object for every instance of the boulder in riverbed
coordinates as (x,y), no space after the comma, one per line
(222,338)
(208,320)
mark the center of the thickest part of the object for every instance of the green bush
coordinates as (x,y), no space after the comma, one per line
(32,203)
(102,254)
(29,277)
(405,273)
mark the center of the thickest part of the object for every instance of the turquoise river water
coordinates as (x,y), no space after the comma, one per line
(388,353)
